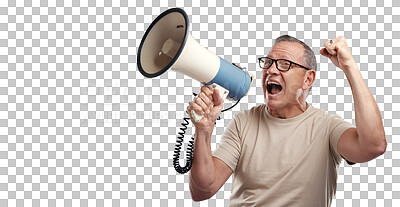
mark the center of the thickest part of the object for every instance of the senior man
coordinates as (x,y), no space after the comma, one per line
(285,152)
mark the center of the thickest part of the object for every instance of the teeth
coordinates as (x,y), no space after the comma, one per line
(273,82)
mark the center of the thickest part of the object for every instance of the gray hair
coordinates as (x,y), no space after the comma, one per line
(309,56)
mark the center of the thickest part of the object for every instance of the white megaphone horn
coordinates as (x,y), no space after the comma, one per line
(168,43)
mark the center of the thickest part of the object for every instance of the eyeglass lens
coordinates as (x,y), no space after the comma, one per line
(266,63)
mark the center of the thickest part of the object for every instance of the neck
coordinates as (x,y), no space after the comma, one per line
(289,111)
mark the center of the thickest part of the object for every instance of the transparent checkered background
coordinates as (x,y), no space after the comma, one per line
(80,126)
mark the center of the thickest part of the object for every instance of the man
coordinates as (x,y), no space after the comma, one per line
(285,152)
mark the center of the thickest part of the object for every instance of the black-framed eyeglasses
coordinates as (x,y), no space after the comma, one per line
(281,64)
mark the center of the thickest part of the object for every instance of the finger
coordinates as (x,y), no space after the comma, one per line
(217,98)
(339,46)
(327,43)
(325,53)
(330,46)
(207,90)
(196,108)
(188,108)
(201,103)
(342,44)
(341,38)
(206,99)
(218,105)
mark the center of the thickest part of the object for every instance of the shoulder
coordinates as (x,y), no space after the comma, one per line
(321,113)
(251,113)
(328,120)
(245,117)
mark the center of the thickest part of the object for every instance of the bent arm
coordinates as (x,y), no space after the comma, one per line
(367,141)
(208,174)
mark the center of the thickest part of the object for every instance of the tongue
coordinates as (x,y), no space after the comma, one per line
(276,89)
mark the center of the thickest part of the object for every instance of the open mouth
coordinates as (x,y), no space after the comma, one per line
(274,87)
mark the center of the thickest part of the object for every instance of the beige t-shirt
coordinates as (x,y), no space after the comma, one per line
(282,162)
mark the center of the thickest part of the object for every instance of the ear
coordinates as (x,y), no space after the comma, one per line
(309,78)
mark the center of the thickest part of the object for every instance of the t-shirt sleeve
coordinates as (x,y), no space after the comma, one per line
(337,127)
(229,147)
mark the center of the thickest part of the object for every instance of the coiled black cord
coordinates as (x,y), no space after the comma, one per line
(189,150)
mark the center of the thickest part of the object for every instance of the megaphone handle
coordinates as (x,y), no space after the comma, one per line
(223,93)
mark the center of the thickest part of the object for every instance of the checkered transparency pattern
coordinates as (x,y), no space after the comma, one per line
(80,126)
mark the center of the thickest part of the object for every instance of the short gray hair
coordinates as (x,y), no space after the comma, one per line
(309,56)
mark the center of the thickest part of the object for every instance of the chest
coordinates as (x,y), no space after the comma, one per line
(276,149)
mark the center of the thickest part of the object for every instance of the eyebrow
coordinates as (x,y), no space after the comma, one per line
(284,57)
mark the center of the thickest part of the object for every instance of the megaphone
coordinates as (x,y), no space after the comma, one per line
(168,44)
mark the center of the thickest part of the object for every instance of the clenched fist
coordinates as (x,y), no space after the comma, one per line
(209,104)
(339,53)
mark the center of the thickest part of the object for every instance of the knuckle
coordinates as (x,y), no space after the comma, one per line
(207,90)
(197,100)
(198,110)
(200,103)
(205,98)
(196,107)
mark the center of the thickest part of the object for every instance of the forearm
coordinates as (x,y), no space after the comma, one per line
(369,124)
(202,174)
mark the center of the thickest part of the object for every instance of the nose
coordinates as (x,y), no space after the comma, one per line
(273,70)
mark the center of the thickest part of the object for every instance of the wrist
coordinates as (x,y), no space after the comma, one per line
(349,67)
(203,133)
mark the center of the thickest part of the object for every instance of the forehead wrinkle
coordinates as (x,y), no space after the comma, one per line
(284,54)
(280,51)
